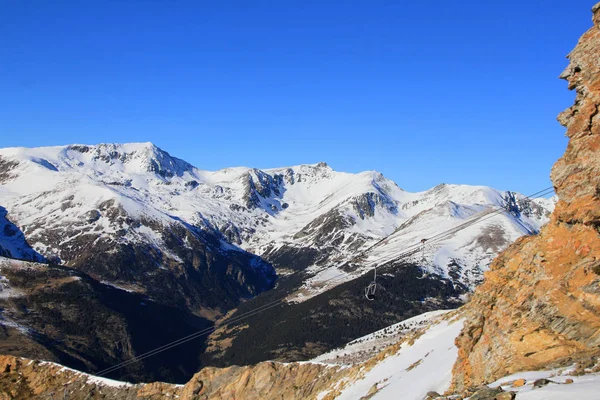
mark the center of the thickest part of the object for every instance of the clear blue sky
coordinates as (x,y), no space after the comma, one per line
(424,91)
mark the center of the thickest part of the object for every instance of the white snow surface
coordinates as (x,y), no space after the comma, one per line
(362,348)
(426,365)
(584,387)
(54,189)
(416,369)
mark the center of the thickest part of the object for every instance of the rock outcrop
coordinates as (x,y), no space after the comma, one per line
(21,378)
(540,302)
(267,380)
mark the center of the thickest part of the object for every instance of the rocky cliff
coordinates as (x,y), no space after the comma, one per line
(540,302)
(21,378)
(27,379)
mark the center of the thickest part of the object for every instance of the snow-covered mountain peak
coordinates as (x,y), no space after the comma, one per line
(295,217)
(133,158)
(102,159)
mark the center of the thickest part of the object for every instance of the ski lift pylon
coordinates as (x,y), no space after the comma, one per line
(423,274)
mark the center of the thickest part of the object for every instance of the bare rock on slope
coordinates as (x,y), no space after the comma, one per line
(21,378)
(540,302)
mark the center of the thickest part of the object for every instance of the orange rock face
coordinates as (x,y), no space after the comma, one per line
(519,383)
(540,302)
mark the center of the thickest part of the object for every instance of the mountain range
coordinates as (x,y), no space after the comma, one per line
(136,219)
(111,251)
(72,202)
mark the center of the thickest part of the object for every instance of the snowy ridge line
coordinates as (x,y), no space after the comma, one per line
(416,247)
(477,218)
(272,212)
(274,303)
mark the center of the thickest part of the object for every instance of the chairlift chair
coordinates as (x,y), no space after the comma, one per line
(370,290)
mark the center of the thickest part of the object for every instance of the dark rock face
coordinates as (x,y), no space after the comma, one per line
(6,166)
(12,241)
(486,393)
(339,315)
(324,237)
(294,258)
(260,185)
(366,204)
(196,273)
(524,206)
(68,317)
(325,227)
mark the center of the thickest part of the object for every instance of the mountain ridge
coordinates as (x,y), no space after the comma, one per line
(306,206)
(135,218)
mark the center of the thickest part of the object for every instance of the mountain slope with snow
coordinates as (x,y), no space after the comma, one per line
(134,217)
(125,214)
(417,364)
(68,198)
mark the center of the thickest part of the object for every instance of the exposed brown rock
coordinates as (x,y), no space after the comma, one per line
(541,382)
(505,396)
(267,380)
(486,393)
(21,378)
(519,382)
(540,301)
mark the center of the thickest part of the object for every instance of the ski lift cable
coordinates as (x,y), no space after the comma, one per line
(413,249)
(274,303)
(183,340)
(463,225)
(478,218)
(369,294)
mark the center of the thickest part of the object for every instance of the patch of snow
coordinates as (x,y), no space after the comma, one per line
(584,387)
(5,321)
(416,369)
(360,349)
(90,379)
(117,286)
